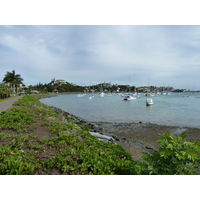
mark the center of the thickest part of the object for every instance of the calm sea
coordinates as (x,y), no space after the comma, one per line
(175,109)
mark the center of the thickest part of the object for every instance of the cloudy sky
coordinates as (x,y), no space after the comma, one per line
(91,54)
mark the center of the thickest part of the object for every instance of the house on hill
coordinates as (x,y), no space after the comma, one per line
(59,82)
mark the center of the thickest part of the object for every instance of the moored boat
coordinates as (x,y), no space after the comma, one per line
(128,97)
(81,95)
(102,94)
(149,102)
(148,94)
(91,97)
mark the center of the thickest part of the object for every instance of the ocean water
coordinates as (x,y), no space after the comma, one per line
(175,109)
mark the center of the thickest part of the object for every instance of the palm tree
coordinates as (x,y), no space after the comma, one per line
(13,79)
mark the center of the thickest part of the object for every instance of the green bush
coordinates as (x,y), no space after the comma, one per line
(176,156)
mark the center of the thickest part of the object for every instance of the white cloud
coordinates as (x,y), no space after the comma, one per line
(85,54)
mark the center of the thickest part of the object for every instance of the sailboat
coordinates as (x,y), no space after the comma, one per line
(101,94)
(128,97)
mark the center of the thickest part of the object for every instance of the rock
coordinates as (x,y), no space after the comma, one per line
(116,138)
(150,150)
(101,129)
(93,126)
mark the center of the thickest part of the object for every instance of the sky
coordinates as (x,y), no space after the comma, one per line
(139,55)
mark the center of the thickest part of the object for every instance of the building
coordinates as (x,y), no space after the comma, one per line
(59,82)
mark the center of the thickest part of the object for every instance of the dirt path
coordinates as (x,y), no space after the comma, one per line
(6,104)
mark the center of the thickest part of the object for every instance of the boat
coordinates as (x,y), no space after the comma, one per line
(149,102)
(148,94)
(102,94)
(128,97)
(91,97)
(81,95)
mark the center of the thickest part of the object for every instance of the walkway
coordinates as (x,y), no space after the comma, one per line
(6,104)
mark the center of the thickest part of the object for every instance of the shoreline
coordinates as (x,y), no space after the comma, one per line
(135,138)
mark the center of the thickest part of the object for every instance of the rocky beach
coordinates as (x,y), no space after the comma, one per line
(135,138)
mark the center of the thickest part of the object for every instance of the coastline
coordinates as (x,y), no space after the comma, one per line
(135,138)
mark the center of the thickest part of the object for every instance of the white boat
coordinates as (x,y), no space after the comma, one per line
(102,94)
(128,97)
(80,95)
(91,97)
(149,102)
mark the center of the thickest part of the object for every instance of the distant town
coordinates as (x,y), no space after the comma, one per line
(12,85)
(109,87)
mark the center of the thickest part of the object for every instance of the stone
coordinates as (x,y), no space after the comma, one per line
(150,150)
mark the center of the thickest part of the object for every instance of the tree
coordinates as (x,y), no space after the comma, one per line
(13,79)
(4,91)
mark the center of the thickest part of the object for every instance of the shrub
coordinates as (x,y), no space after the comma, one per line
(176,156)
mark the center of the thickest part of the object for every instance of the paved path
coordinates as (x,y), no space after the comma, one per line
(6,104)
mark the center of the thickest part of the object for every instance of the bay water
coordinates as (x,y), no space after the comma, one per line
(181,110)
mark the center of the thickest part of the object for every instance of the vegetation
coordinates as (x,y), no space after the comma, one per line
(57,87)
(5,91)
(36,140)
(176,156)
(13,79)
